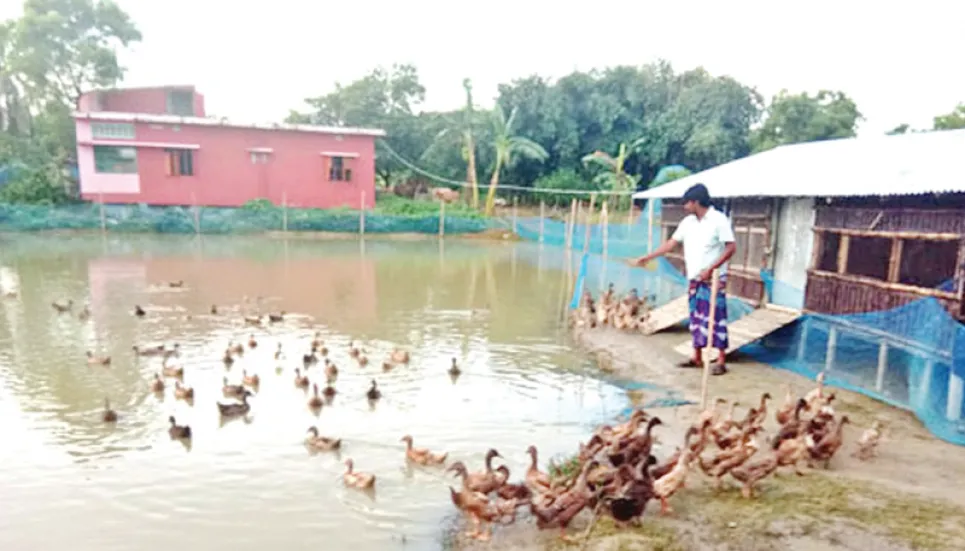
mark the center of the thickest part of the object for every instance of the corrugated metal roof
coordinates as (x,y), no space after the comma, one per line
(907,164)
(211,121)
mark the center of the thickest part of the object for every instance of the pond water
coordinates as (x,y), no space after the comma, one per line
(69,479)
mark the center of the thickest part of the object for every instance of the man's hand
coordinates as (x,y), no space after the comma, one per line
(705,275)
(642,261)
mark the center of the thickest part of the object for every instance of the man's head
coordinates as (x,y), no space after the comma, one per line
(696,199)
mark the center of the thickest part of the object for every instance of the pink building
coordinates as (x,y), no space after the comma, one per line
(156,146)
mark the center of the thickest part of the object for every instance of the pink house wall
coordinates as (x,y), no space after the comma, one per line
(224,174)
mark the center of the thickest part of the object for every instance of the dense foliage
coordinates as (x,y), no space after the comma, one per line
(613,128)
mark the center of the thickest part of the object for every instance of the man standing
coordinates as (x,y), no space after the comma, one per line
(708,241)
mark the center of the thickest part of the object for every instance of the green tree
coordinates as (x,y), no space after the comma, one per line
(900,129)
(951,121)
(386,99)
(796,118)
(507,147)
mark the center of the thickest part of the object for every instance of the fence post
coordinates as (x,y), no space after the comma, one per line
(572,224)
(650,225)
(542,218)
(711,320)
(515,209)
(442,218)
(605,229)
(284,212)
(589,213)
(103,215)
(197,214)
(362,215)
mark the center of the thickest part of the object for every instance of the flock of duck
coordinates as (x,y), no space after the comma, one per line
(238,393)
(629,313)
(615,473)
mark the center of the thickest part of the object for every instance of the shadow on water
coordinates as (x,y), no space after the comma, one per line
(252,481)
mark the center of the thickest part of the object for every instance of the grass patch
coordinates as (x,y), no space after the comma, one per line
(910,520)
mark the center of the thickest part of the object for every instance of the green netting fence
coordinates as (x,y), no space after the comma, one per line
(217,220)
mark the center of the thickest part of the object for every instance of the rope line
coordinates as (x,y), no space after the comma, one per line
(451,182)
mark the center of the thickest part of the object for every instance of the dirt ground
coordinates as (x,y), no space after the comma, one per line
(908,498)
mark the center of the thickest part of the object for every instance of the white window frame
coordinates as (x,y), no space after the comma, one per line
(112,130)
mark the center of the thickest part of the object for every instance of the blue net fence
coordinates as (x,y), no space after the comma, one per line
(911,357)
(214,220)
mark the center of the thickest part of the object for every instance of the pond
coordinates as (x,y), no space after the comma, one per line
(70,479)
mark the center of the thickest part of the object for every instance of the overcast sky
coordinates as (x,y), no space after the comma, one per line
(901,61)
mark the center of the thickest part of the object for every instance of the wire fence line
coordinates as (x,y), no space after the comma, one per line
(452,182)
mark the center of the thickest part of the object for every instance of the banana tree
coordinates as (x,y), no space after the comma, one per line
(508,148)
(614,177)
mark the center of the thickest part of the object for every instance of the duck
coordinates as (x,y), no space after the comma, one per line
(315,401)
(321,443)
(358,480)
(227,359)
(784,413)
(157,385)
(422,456)
(214,310)
(817,394)
(824,449)
(561,511)
(182,392)
(84,314)
(97,360)
(793,427)
(483,483)
(279,353)
(276,318)
(237,348)
(253,320)
(178,432)
(172,352)
(176,284)
(667,485)
(508,490)
(109,415)
(454,370)
(309,359)
(148,350)
(537,480)
(172,370)
(232,391)
(236,410)
(63,307)
(138,311)
(373,393)
(477,507)
(387,366)
(868,442)
(400,356)
(301,381)
(329,392)
(353,351)
(250,380)
(252,343)
(317,341)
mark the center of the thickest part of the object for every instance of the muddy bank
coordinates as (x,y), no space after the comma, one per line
(908,498)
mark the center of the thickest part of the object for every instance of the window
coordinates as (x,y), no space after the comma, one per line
(115,160)
(180,162)
(828,247)
(181,102)
(259,157)
(868,256)
(927,263)
(336,169)
(118,130)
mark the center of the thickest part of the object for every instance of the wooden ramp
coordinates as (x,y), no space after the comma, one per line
(668,315)
(750,328)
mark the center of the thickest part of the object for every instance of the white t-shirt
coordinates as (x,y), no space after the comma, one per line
(703,240)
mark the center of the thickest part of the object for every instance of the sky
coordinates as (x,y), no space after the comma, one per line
(901,62)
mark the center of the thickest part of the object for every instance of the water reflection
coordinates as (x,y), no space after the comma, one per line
(520,385)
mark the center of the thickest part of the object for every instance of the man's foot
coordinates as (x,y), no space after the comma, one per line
(689,363)
(718,369)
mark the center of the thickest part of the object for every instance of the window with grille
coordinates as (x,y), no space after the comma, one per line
(180,162)
(112,130)
(111,159)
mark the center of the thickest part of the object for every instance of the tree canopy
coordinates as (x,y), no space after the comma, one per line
(606,129)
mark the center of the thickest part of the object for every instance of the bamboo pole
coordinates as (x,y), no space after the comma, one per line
(284,212)
(197,214)
(570,225)
(649,225)
(630,217)
(589,213)
(515,211)
(362,215)
(542,218)
(605,230)
(442,218)
(711,320)
(103,215)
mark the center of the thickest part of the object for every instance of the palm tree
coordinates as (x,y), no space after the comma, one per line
(508,148)
(614,177)
(469,146)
